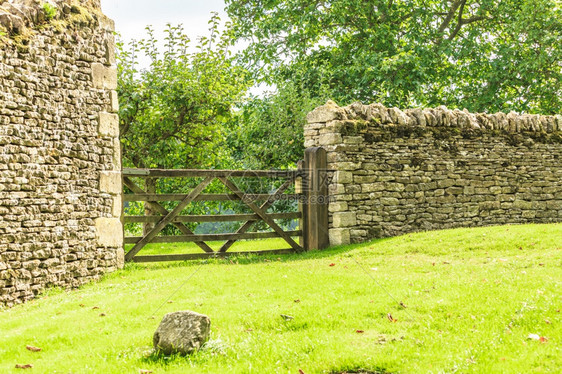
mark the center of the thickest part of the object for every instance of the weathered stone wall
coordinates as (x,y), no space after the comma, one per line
(60,185)
(402,171)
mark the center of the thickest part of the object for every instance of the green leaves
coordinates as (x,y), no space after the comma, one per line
(174,111)
(487,55)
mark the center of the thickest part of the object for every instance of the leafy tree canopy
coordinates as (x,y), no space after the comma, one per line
(173,113)
(483,55)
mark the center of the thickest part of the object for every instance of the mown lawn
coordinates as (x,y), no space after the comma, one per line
(470,297)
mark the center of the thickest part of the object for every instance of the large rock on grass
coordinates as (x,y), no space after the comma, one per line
(182,332)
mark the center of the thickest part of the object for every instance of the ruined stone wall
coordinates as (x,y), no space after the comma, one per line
(60,185)
(402,171)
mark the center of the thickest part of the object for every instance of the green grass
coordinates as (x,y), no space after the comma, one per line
(472,297)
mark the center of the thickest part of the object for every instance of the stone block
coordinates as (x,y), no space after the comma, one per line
(106,23)
(110,182)
(344,177)
(338,206)
(353,139)
(344,219)
(372,187)
(329,139)
(554,204)
(117,208)
(454,191)
(109,232)
(114,101)
(116,154)
(109,51)
(445,183)
(120,257)
(521,204)
(325,113)
(104,77)
(389,201)
(528,214)
(339,236)
(108,124)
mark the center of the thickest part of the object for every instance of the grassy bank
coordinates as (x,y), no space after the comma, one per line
(470,298)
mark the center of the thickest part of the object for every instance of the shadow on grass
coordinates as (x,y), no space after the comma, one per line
(361,371)
(213,347)
(250,259)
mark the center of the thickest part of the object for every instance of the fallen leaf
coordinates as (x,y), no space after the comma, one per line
(95,307)
(142,371)
(391,318)
(33,349)
(297,301)
(547,322)
(542,339)
(82,305)
(403,305)
(301,372)
(26,366)
(332,264)
(170,301)
(359,331)
(102,314)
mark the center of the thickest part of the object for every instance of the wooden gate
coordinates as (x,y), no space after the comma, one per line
(311,194)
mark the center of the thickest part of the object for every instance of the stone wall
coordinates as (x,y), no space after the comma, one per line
(60,184)
(402,171)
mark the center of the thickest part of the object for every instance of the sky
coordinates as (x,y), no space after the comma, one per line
(132,16)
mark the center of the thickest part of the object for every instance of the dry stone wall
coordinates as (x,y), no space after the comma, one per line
(395,172)
(60,184)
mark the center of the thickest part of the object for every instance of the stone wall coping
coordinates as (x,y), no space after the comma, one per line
(378,114)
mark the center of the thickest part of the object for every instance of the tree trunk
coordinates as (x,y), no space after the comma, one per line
(149,187)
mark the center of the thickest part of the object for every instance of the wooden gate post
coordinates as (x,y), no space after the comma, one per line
(315,210)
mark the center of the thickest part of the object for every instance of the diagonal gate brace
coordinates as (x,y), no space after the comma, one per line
(168,219)
(261,213)
(160,209)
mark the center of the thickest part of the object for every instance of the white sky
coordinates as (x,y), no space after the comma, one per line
(132,16)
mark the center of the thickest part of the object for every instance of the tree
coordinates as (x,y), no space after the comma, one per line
(483,55)
(268,131)
(173,113)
